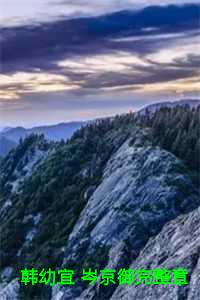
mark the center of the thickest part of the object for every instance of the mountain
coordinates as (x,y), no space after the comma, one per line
(53,132)
(5,129)
(123,192)
(5,146)
(22,160)
(9,137)
(176,245)
(66,130)
(152,108)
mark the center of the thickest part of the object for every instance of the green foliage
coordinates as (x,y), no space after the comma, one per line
(178,131)
(56,189)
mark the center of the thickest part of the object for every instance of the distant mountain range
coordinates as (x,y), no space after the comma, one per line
(52,132)
(9,137)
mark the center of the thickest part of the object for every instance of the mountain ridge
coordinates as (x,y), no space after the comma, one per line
(51,132)
(98,199)
(151,108)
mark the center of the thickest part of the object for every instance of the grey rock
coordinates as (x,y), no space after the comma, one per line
(10,291)
(89,192)
(194,291)
(6,274)
(176,246)
(142,189)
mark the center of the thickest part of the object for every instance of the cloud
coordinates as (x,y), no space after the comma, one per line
(20,83)
(42,45)
(20,12)
(123,51)
(102,72)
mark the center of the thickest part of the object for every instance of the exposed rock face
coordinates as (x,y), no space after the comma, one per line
(6,274)
(26,163)
(9,291)
(142,189)
(107,199)
(177,245)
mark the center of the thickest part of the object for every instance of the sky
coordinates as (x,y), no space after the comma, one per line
(79,59)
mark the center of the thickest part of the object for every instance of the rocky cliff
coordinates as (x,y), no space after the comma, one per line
(142,189)
(177,245)
(117,195)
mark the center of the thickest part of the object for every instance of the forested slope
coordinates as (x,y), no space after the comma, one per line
(113,185)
